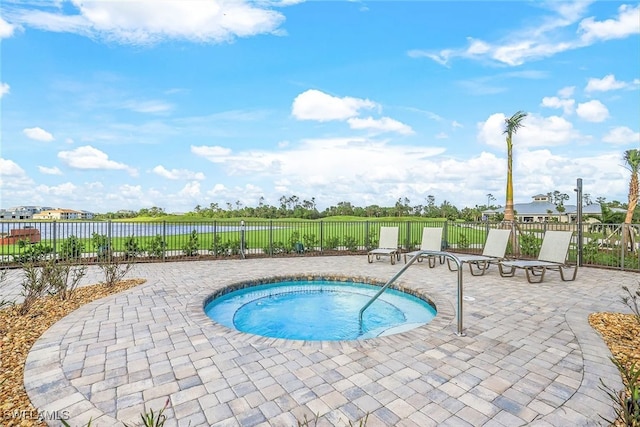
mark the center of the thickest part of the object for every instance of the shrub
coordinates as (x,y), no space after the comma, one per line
(156,246)
(626,402)
(310,241)
(190,248)
(114,270)
(372,241)
(631,301)
(463,241)
(71,248)
(57,276)
(131,248)
(332,243)
(32,252)
(351,243)
(529,244)
(101,245)
(34,285)
(3,277)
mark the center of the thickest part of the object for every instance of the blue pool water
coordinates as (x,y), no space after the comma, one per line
(318,310)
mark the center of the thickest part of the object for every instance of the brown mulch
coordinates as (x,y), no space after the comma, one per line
(19,333)
(621,333)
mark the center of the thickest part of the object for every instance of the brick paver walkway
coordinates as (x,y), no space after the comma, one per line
(529,356)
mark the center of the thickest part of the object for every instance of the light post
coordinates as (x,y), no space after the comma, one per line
(578,191)
(242,244)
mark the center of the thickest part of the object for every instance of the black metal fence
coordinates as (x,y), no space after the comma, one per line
(605,245)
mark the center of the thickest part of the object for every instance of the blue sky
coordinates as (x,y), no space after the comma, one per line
(110,105)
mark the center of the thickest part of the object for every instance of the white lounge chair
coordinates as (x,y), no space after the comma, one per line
(431,241)
(494,250)
(553,256)
(388,245)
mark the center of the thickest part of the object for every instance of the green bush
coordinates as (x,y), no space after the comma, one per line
(351,243)
(32,252)
(529,244)
(71,248)
(156,247)
(190,248)
(332,243)
(131,248)
(310,241)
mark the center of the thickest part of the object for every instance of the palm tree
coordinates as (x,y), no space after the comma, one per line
(632,160)
(512,124)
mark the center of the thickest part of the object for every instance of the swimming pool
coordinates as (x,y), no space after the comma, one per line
(317,310)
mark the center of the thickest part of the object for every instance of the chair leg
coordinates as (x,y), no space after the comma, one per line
(573,276)
(432,261)
(449,265)
(531,274)
(506,273)
(369,258)
(481,266)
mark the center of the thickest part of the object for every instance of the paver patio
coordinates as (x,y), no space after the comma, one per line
(529,356)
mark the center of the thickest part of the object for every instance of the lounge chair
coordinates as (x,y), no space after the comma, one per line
(494,250)
(431,241)
(553,256)
(388,245)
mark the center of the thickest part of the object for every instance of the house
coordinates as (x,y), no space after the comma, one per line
(542,210)
(58,214)
(21,212)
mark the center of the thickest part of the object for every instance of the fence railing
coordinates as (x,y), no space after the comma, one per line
(605,245)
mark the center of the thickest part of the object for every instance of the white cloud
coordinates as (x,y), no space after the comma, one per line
(38,134)
(593,111)
(191,189)
(6,29)
(153,107)
(622,135)
(566,92)
(624,25)
(65,189)
(177,173)
(88,157)
(536,132)
(604,84)
(215,154)
(384,124)
(10,168)
(316,105)
(50,171)
(4,89)
(144,22)
(545,38)
(442,135)
(555,102)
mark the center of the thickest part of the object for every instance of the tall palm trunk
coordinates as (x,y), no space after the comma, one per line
(512,124)
(632,159)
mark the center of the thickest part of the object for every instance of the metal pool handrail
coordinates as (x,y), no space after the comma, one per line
(418,254)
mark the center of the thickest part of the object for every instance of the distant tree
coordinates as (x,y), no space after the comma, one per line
(632,160)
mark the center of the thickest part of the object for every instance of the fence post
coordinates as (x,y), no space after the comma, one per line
(164,240)
(54,235)
(321,236)
(366,235)
(408,240)
(446,234)
(271,238)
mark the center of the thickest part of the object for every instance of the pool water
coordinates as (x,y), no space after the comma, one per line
(318,310)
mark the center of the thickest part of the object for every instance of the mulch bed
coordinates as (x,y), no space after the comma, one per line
(621,333)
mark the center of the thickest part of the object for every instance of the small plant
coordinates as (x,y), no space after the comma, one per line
(71,248)
(131,248)
(217,247)
(626,402)
(351,243)
(190,248)
(332,243)
(3,277)
(372,241)
(32,252)
(114,270)
(310,241)
(529,244)
(101,245)
(57,275)
(34,285)
(156,246)
(155,419)
(463,241)
(632,301)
